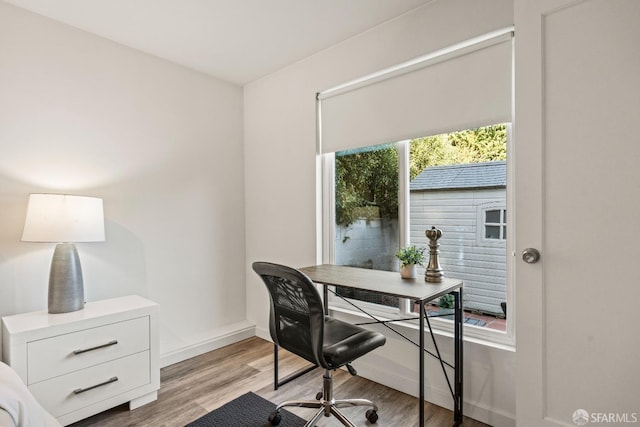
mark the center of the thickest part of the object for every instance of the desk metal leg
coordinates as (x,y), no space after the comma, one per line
(276,382)
(423,313)
(456,390)
(325,294)
(458,345)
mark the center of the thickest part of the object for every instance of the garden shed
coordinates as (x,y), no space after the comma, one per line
(468,203)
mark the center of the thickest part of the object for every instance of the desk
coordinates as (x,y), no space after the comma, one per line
(390,283)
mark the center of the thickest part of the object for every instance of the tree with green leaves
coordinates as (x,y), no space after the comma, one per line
(484,144)
(368,177)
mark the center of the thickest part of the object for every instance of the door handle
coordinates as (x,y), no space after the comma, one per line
(530,255)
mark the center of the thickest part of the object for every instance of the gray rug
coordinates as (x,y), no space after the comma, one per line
(249,410)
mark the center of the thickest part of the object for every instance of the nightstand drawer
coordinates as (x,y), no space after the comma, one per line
(67,393)
(61,354)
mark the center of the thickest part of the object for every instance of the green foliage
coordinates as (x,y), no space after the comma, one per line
(366,178)
(446,301)
(411,255)
(484,144)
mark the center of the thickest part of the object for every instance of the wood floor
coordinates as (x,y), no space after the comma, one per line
(194,387)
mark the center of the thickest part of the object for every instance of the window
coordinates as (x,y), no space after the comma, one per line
(492,223)
(495,224)
(456,182)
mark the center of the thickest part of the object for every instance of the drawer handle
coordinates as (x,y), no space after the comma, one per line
(82,390)
(84,350)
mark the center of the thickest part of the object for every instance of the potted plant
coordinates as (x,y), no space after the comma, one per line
(410,257)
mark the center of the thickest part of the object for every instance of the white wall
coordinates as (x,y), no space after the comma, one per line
(280,182)
(161,144)
(368,243)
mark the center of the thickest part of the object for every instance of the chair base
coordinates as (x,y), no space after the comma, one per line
(327,405)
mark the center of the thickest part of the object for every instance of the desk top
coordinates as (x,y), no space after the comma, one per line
(381,282)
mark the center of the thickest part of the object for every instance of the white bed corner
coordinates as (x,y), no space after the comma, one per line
(18,407)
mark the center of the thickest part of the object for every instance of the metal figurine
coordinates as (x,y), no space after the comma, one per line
(434,273)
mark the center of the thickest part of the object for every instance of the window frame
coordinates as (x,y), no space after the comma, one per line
(481,239)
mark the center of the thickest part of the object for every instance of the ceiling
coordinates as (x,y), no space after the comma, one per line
(234,40)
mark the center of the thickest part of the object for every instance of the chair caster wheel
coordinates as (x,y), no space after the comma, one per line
(372,416)
(319,395)
(275,418)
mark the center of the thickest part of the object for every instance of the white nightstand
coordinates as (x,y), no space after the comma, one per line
(84,362)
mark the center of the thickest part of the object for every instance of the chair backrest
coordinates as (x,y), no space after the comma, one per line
(296,320)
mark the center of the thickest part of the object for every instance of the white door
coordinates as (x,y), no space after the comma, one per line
(577,189)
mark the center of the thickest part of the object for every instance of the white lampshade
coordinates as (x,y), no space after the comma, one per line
(63,218)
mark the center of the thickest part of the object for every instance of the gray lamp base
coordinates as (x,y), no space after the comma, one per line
(66,287)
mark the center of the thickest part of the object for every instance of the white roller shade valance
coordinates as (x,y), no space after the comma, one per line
(461,87)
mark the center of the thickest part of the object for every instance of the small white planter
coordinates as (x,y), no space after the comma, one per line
(408,271)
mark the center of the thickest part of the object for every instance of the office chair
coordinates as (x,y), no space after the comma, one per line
(298,324)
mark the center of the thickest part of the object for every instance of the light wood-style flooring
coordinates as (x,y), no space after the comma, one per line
(194,387)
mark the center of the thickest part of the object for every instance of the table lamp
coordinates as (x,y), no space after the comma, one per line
(64,219)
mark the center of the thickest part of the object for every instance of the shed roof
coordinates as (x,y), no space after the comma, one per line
(462,177)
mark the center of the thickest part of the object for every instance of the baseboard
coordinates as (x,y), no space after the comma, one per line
(220,338)
(493,417)
(263,333)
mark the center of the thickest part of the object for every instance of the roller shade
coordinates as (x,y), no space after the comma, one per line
(462,87)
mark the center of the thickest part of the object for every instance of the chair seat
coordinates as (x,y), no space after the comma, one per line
(344,342)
